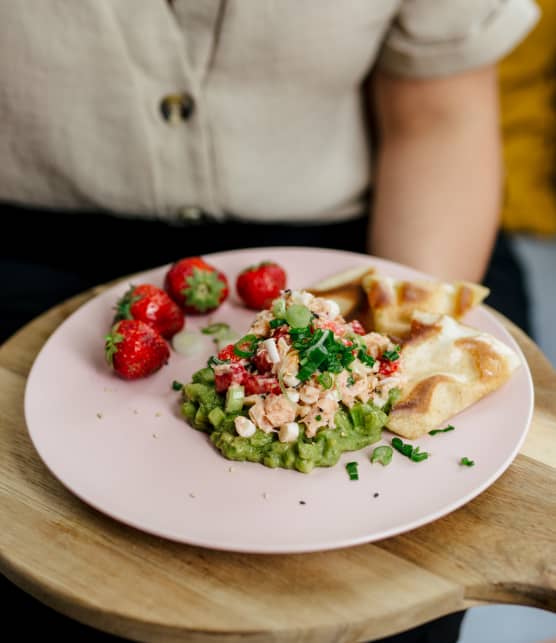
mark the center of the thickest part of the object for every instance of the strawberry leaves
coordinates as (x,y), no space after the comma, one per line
(111,345)
(196,286)
(203,290)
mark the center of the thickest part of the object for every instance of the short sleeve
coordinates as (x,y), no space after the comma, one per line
(430,38)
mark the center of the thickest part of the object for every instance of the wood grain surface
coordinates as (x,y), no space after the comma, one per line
(498,548)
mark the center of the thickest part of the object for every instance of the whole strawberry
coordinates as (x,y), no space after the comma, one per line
(134,349)
(258,285)
(196,286)
(152,305)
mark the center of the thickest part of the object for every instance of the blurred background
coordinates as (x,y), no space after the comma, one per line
(528,101)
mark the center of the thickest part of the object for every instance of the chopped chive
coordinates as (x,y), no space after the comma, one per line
(466,462)
(392,355)
(448,428)
(318,417)
(412,452)
(419,457)
(364,357)
(214,361)
(351,468)
(177,386)
(274,323)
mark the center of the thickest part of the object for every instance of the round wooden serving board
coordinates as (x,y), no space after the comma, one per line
(500,547)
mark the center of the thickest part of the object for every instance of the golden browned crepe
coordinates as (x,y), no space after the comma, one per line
(346,290)
(445,367)
(393,301)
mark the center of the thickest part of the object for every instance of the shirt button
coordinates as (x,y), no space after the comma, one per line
(190,214)
(177,107)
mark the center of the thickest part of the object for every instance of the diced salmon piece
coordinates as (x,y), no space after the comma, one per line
(376,343)
(327,405)
(279,410)
(261,324)
(257,414)
(309,393)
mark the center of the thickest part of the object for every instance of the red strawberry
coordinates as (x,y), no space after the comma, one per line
(152,305)
(258,285)
(134,349)
(196,286)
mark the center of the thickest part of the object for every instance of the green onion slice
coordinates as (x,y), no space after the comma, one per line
(393,396)
(382,454)
(187,343)
(216,328)
(298,316)
(326,380)
(246,346)
(279,308)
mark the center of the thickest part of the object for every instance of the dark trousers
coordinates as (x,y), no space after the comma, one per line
(48,257)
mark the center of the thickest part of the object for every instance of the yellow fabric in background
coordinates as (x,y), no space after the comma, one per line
(528,104)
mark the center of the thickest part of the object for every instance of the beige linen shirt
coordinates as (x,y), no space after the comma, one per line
(271,124)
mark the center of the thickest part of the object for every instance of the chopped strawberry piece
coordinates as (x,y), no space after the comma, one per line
(387,367)
(231,374)
(228,353)
(357,327)
(262,361)
(281,331)
(260,384)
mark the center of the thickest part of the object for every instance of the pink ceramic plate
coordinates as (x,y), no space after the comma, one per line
(123,448)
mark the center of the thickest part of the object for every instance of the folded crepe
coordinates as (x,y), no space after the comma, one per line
(392,302)
(445,367)
(346,290)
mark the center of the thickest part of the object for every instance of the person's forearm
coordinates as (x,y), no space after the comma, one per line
(437,194)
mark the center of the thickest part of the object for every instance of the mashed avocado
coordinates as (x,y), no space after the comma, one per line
(205,410)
